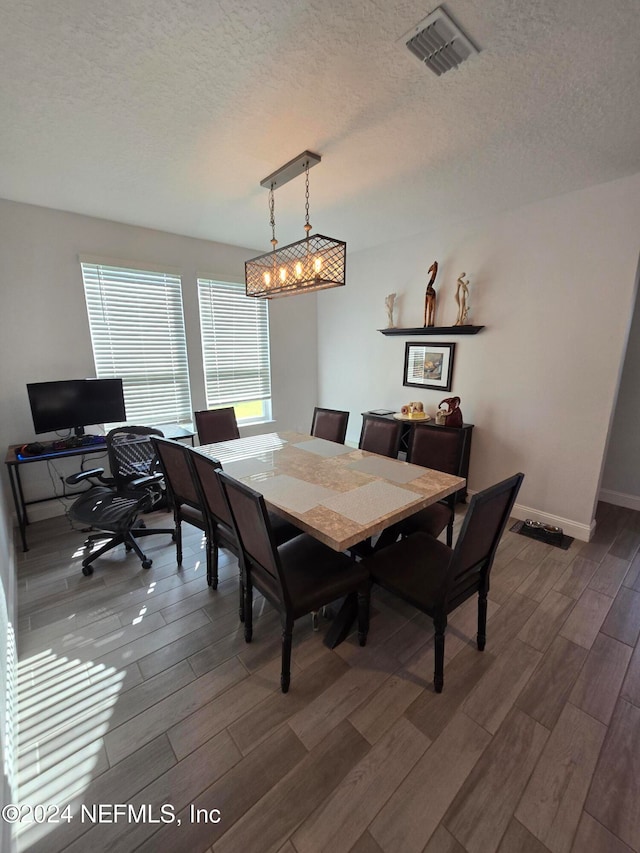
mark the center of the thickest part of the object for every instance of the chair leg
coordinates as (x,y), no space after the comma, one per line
(129,540)
(363,615)
(212,562)
(114,540)
(450,533)
(440,625)
(240,597)
(178,538)
(482,619)
(248,610)
(287,637)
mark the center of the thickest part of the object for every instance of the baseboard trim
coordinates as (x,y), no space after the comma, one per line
(583,532)
(43,511)
(609,496)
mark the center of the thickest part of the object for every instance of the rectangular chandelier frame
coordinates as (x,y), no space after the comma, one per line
(313,263)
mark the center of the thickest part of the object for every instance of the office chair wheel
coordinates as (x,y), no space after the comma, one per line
(87,570)
(146,564)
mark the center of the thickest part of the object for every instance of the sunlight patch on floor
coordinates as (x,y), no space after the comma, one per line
(65,708)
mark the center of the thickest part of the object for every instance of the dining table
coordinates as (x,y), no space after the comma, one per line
(339,494)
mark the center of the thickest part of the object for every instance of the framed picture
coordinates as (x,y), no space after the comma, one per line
(429,366)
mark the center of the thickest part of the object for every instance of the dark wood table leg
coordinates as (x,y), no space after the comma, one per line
(343,621)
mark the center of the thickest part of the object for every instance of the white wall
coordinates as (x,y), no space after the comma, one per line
(554,285)
(44,332)
(621,475)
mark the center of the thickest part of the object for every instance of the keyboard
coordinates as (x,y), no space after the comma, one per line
(40,449)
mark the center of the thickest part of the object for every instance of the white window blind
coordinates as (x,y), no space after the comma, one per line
(235,343)
(137,332)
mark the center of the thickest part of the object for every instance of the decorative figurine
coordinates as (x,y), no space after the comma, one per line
(390,303)
(462,297)
(449,412)
(415,411)
(430,298)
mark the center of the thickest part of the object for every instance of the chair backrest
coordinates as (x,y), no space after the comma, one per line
(206,470)
(216,425)
(131,453)
(253,532)
(174,461)
(380,435)
(330,424)
(439,447)
(479,537)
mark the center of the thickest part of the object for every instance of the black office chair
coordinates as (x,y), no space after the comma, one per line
(380,435)
(297,578)
(184,497)
(437,579)
(330,424)
(113,504)
(215,425)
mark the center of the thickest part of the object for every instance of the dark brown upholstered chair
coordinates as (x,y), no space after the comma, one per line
(216,425)
(380,435)
(436,579)
(441,449)
(221,532)
(330,424)
(184,496)
(297,578)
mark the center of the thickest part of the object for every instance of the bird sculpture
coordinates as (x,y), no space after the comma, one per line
(430,298)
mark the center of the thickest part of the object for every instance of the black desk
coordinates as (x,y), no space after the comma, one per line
(14,463)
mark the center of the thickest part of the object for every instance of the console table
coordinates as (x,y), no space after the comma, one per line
(431,424)
(15,462)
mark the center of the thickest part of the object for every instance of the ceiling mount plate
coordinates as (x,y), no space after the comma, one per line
(290,170)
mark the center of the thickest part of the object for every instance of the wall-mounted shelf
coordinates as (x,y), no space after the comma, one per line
(434,330)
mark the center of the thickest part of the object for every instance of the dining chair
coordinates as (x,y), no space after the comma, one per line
(380,435)
(330,424)
(184,497)
(222,534)
(298,577)
(437,579)
(441,449)
(214,425)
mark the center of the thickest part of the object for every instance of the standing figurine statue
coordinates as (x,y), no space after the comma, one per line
(430,298)
(390,303)
(462,297)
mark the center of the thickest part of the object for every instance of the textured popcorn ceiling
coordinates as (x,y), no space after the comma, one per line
(168,113)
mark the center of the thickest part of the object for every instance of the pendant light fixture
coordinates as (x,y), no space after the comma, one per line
(313,263)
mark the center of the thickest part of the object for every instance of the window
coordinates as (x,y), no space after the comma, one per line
(137,332)
(235,347)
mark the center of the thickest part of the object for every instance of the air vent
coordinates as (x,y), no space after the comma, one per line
(439,42)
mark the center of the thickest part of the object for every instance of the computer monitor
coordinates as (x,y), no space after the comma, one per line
(75,404)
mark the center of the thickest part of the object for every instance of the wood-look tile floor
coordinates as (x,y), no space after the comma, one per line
(136,687)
